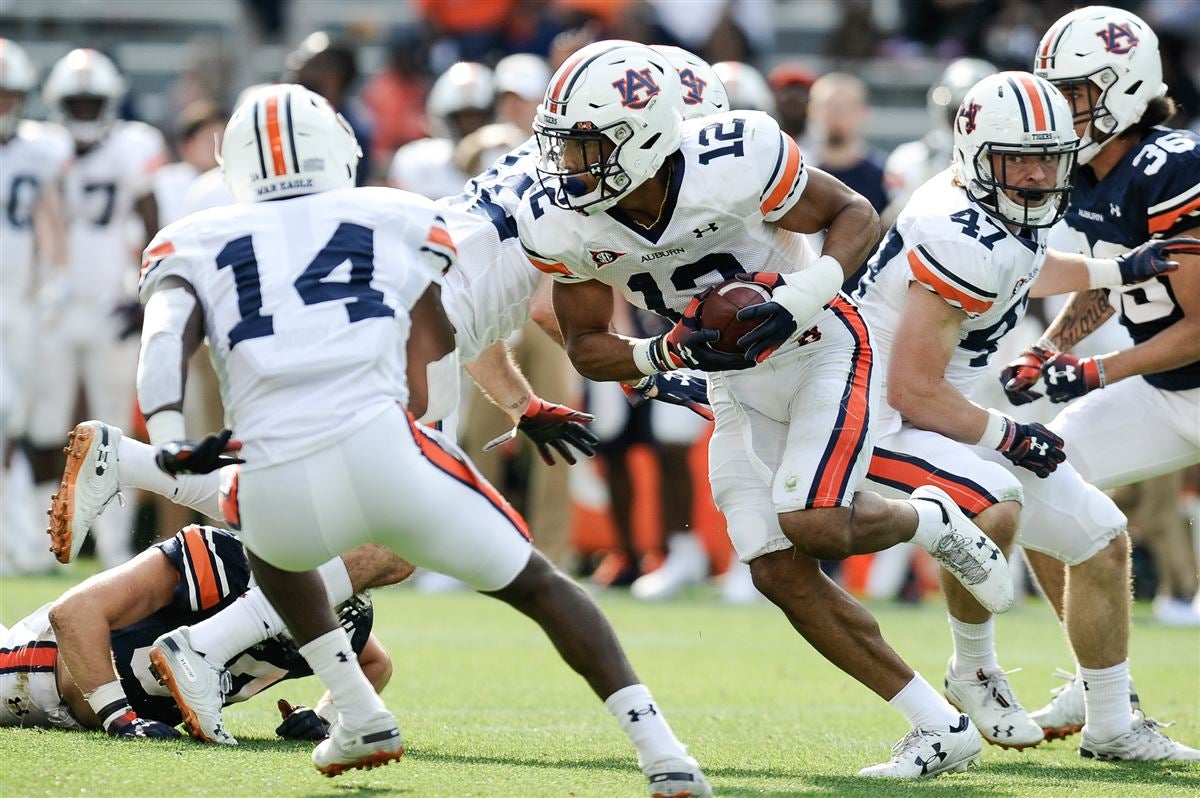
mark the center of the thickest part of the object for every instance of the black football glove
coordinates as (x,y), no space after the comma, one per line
(210,454)
(673,388)
(557,428)
(300,723)
(1153,258)
(129,724)
(1032,446)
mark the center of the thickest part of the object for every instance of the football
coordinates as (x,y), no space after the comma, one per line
(719,311)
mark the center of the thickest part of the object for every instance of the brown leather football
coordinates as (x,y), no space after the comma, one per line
(719,311)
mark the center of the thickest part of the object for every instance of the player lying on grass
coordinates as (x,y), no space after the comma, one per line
(82,662)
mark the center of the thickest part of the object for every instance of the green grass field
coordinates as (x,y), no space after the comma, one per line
(487,709)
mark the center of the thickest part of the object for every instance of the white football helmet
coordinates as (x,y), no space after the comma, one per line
(78,76)
(465,86)
(947,92)
(1115,51)
(17,76)
(616,95)
(703,92)
(284,141)
(1015,114)
(747,88)
(524,74)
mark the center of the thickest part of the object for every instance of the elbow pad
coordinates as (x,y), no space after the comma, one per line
(160,365)
(442,387)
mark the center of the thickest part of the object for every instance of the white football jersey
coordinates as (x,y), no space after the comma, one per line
(28,683)
(305,304)
(426,167)
(29,161)
(101,188)
(732,174)
(946,242)
(488,293)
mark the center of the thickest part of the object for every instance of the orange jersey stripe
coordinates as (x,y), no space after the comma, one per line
(913,476)
(1166,220)
(944,289)
(464,473)
(273,139)
(1035,100)
(161,251)
(206,580)
(440,236)
(790,170)
(29,658)
(833,472)
(550,268)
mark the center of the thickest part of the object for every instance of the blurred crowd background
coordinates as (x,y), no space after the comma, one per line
(435,89)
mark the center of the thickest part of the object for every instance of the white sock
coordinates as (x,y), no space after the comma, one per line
(643,722)
(974,646)
(337,581)
(248,621)
(924,707)
(138,470)
(931,523)
(1106,700)
(334,662)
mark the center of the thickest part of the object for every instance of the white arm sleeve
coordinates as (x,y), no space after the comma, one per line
(160,364)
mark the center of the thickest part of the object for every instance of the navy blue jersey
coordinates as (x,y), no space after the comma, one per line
(1154,192)
(213,573)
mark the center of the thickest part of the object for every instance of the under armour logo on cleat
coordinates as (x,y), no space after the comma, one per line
(17,709)
(1005,731)
(343,656)
(938,754)
(636,714)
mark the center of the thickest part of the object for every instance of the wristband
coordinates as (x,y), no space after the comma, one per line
(1046,345)
(647,357)
(1099,362)
(1102,272)
(109,703)
(998,432)
(165,426)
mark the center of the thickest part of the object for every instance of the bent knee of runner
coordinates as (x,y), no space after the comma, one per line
(821,533)
(1000,522)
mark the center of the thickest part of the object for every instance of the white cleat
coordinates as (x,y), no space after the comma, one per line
(195,684)
(376,743)
(1142,743)
(927,752)
(686,564)
(968,554)
(989,702)
(88,484)
(1066,712)
(677,778)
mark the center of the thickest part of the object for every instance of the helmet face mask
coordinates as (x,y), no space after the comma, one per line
(1015,149)
(583,164)
(1032,207)
(82,93)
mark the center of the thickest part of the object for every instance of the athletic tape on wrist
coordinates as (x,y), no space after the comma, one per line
(1102,272)
(645,351)
(998,432)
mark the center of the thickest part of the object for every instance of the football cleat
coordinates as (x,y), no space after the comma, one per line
(927,752)
(89,483)
(1142,743)
(989,702)
(686,564)
(677,778)
(195,684)
(372,745)
(968,554)
(1066,712)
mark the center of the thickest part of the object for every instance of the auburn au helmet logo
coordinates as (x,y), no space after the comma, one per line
(637,88)
(1118,38)
(968,112)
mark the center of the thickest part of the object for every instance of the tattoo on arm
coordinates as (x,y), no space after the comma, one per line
(521,401)
(1084,312)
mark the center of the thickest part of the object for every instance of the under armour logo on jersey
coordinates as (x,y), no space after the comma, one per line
(1118,38)
(700,231)
(343,656)
(938,757)
(637,714)
(968,113)
(693,87)
(1002,731)
(1114,210)
(632,86)
(603,257)
(17,709)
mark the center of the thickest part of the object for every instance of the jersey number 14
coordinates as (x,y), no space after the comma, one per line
(350,242)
